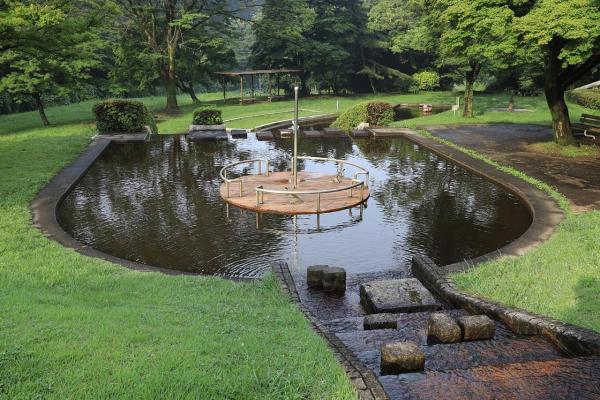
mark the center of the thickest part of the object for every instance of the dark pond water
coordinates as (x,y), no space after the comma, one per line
(158,203)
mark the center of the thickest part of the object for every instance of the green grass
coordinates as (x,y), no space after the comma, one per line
(554,149)
(77,327)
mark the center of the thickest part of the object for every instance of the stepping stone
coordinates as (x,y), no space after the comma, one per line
(200,128)
(477,327)
(381,321)
(443,328)
(334,132)
(313,134)
(334,279)
(396,296)
(360,133)
(207,136)
(314,276)
(264,135)
(400,357)
(286,133)
(330,279)
(239,134)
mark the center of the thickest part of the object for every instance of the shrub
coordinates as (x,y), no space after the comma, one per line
(374,113)
(207,116)
(123,116)
(589,98)
(427,80)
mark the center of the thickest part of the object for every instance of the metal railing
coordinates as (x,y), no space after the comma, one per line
(228,182)
(260,190)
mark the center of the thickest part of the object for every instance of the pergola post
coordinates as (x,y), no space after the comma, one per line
(277,79)
(252,85)
(241,88)
(224,89)
(270,88)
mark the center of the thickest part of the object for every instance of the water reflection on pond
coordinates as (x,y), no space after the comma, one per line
(158,203)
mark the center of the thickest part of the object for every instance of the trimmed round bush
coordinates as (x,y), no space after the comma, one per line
(589,98)
(207,116)
(123,116)
(375,113)
(427,80)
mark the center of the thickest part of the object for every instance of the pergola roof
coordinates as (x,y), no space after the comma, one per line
(259,72)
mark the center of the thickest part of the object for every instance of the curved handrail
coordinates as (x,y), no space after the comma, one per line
(223,172)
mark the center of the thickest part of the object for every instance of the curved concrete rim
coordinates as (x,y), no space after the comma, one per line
(545,212)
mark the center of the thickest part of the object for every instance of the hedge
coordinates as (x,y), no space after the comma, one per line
(207,116)
(375,113)
(123,116)
(589,98)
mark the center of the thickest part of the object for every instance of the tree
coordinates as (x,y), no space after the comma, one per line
(49,47)
(568,34)
(166,23)
(474,35)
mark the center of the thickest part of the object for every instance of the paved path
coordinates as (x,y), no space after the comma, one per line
(578,179)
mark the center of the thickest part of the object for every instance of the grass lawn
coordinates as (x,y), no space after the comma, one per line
(77,327)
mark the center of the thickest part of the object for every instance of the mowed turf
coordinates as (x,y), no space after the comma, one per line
(76,327)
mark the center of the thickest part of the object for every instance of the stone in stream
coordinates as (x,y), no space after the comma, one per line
(381,321)
(264,135)
(400,357)
(239,134)
(443,328)
(477,327)
(207,136)
(334,279)
(314,276)
(396,295)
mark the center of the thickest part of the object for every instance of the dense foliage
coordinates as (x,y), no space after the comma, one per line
(427,80)
(207,116)
(123,116)
(589,98)
(374,113)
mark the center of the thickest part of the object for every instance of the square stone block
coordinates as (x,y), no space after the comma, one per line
(400,357)
(334,132)
(380,321)
(443,328)
(314,276)
(313,134)
(477,327)
(397,295)
(201,128)
(360,133)
(239,134)
(264,135)
(286,133)
(334,279)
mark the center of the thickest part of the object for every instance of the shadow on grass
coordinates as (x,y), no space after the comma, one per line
(586,310)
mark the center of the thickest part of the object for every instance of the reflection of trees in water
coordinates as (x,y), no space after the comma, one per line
(161,204)
(451,214)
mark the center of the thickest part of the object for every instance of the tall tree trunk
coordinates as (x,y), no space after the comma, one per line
(555,96)
(561,123)
(170,80)
(470,77)
(40,106)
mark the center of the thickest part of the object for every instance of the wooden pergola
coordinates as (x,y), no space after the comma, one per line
(252,74)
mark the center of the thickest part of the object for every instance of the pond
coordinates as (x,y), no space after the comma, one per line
(158,203)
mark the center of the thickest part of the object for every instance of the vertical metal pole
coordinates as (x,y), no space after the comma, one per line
(241,89)
(295,159)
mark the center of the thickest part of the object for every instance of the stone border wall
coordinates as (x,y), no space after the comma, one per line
(362,378)
(571,339)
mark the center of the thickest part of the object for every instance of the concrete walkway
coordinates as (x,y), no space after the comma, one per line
(576,178)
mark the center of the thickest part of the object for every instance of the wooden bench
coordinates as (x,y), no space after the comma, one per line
(589,126)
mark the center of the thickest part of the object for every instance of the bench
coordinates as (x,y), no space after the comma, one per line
(589,126)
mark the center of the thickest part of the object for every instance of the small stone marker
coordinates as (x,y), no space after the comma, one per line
(400,357)
(329,279)
(443,328)
(477,327)
(239,134)
(264,135)
(396,295)
(334,279)
(381,321)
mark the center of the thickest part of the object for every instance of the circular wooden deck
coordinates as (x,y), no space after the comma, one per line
(289,203)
